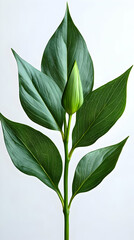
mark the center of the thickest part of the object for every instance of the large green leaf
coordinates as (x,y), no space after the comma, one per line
(40,96)
(101,109)
(94,167)
(64,48)
(32,152)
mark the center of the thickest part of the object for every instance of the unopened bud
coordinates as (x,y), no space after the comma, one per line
(72,98)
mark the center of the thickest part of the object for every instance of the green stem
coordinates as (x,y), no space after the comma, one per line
(71,152)
(67,159)
(70,202)
(66,210)
(65,126)
(60,197)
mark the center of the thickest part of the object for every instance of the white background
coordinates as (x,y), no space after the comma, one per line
(29,209)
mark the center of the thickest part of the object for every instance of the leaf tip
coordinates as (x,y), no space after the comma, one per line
(14,53)
(67,14)
(67,7)
(1,117)
(126,138)
(124,141)
(129,70)
(17,57)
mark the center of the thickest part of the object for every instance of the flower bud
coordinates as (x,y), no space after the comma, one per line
(72,98)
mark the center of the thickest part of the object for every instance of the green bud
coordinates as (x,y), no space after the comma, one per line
(72,98)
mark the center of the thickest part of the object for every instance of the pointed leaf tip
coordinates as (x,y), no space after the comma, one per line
(13,51)
(15,54)
(124,141)
(129,69)
(67,7)
(1,117)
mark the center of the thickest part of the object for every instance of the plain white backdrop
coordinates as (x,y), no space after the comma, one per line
(29,209)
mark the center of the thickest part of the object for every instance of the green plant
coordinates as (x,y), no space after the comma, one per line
(50,97)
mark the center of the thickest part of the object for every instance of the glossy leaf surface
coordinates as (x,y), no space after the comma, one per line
(64,48)
(32,152)
(40,96)
(94,167)
(101,109)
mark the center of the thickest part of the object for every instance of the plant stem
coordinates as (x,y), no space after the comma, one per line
(60,197)
(67,159)
(66,210)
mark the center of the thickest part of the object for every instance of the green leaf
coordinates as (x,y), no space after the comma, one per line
(94,167)
(64,48)
(101,109)
(40,96)
(32,152)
